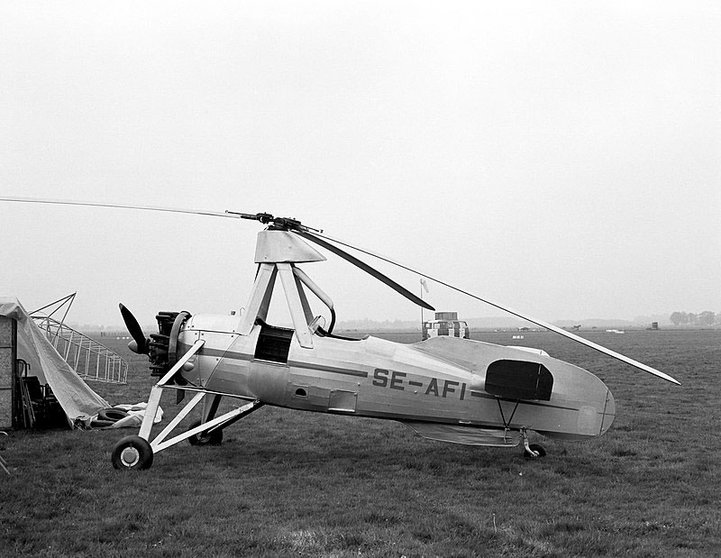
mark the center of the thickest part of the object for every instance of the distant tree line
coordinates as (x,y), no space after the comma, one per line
(703,319)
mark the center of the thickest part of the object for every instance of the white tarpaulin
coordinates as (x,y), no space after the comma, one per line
(73,394)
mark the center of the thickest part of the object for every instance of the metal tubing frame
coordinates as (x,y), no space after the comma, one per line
(259,302)
(210,407)
(303,299)
(157,391)
(315,289)
(259,298)
(4,463)
(295,305)
(160,443)
(507,423)
(82,352)
(223,420)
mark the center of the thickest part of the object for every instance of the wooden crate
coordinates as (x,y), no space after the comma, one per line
(8,354)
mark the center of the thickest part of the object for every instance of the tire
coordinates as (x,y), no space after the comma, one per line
(537,448)
(112,414)
(132,452)
(214,438)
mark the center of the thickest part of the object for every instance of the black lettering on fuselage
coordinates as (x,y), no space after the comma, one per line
(393,379)
(380,377)
(396,380)
(447,387)
(432,387)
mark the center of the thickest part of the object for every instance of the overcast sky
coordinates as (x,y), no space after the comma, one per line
(562,158)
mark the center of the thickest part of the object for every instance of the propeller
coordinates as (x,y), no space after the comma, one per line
(139,344)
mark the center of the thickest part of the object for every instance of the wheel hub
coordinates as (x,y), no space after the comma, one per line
(130,456)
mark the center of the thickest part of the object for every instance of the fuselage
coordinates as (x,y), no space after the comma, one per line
(453,384)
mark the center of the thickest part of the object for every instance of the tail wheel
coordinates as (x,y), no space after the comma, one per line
(132,452)
(536,451)
(214,438)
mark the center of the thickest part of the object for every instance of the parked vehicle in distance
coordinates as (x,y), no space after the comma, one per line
(446,324)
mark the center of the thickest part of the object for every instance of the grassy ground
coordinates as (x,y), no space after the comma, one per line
(302,484)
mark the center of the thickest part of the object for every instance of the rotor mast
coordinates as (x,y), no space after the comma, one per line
(277,252)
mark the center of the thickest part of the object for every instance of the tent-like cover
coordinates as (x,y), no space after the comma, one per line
(73,394)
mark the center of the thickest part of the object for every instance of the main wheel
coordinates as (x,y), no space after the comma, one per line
(540,451)
(214,438)
(132,452)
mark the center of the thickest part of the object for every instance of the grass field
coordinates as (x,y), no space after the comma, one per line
(301,484)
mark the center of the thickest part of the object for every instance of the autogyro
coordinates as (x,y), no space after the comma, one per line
(445,388)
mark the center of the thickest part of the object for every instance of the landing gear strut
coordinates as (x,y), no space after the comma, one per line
(531,451)
(209,438)
(136,452)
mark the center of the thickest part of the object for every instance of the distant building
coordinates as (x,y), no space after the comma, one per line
(446,324)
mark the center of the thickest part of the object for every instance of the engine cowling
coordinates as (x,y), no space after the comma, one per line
(163,346)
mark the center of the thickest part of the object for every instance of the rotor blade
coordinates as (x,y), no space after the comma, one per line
(134,329)
(541,323)
(226,215)
(365,267)
(591,344)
